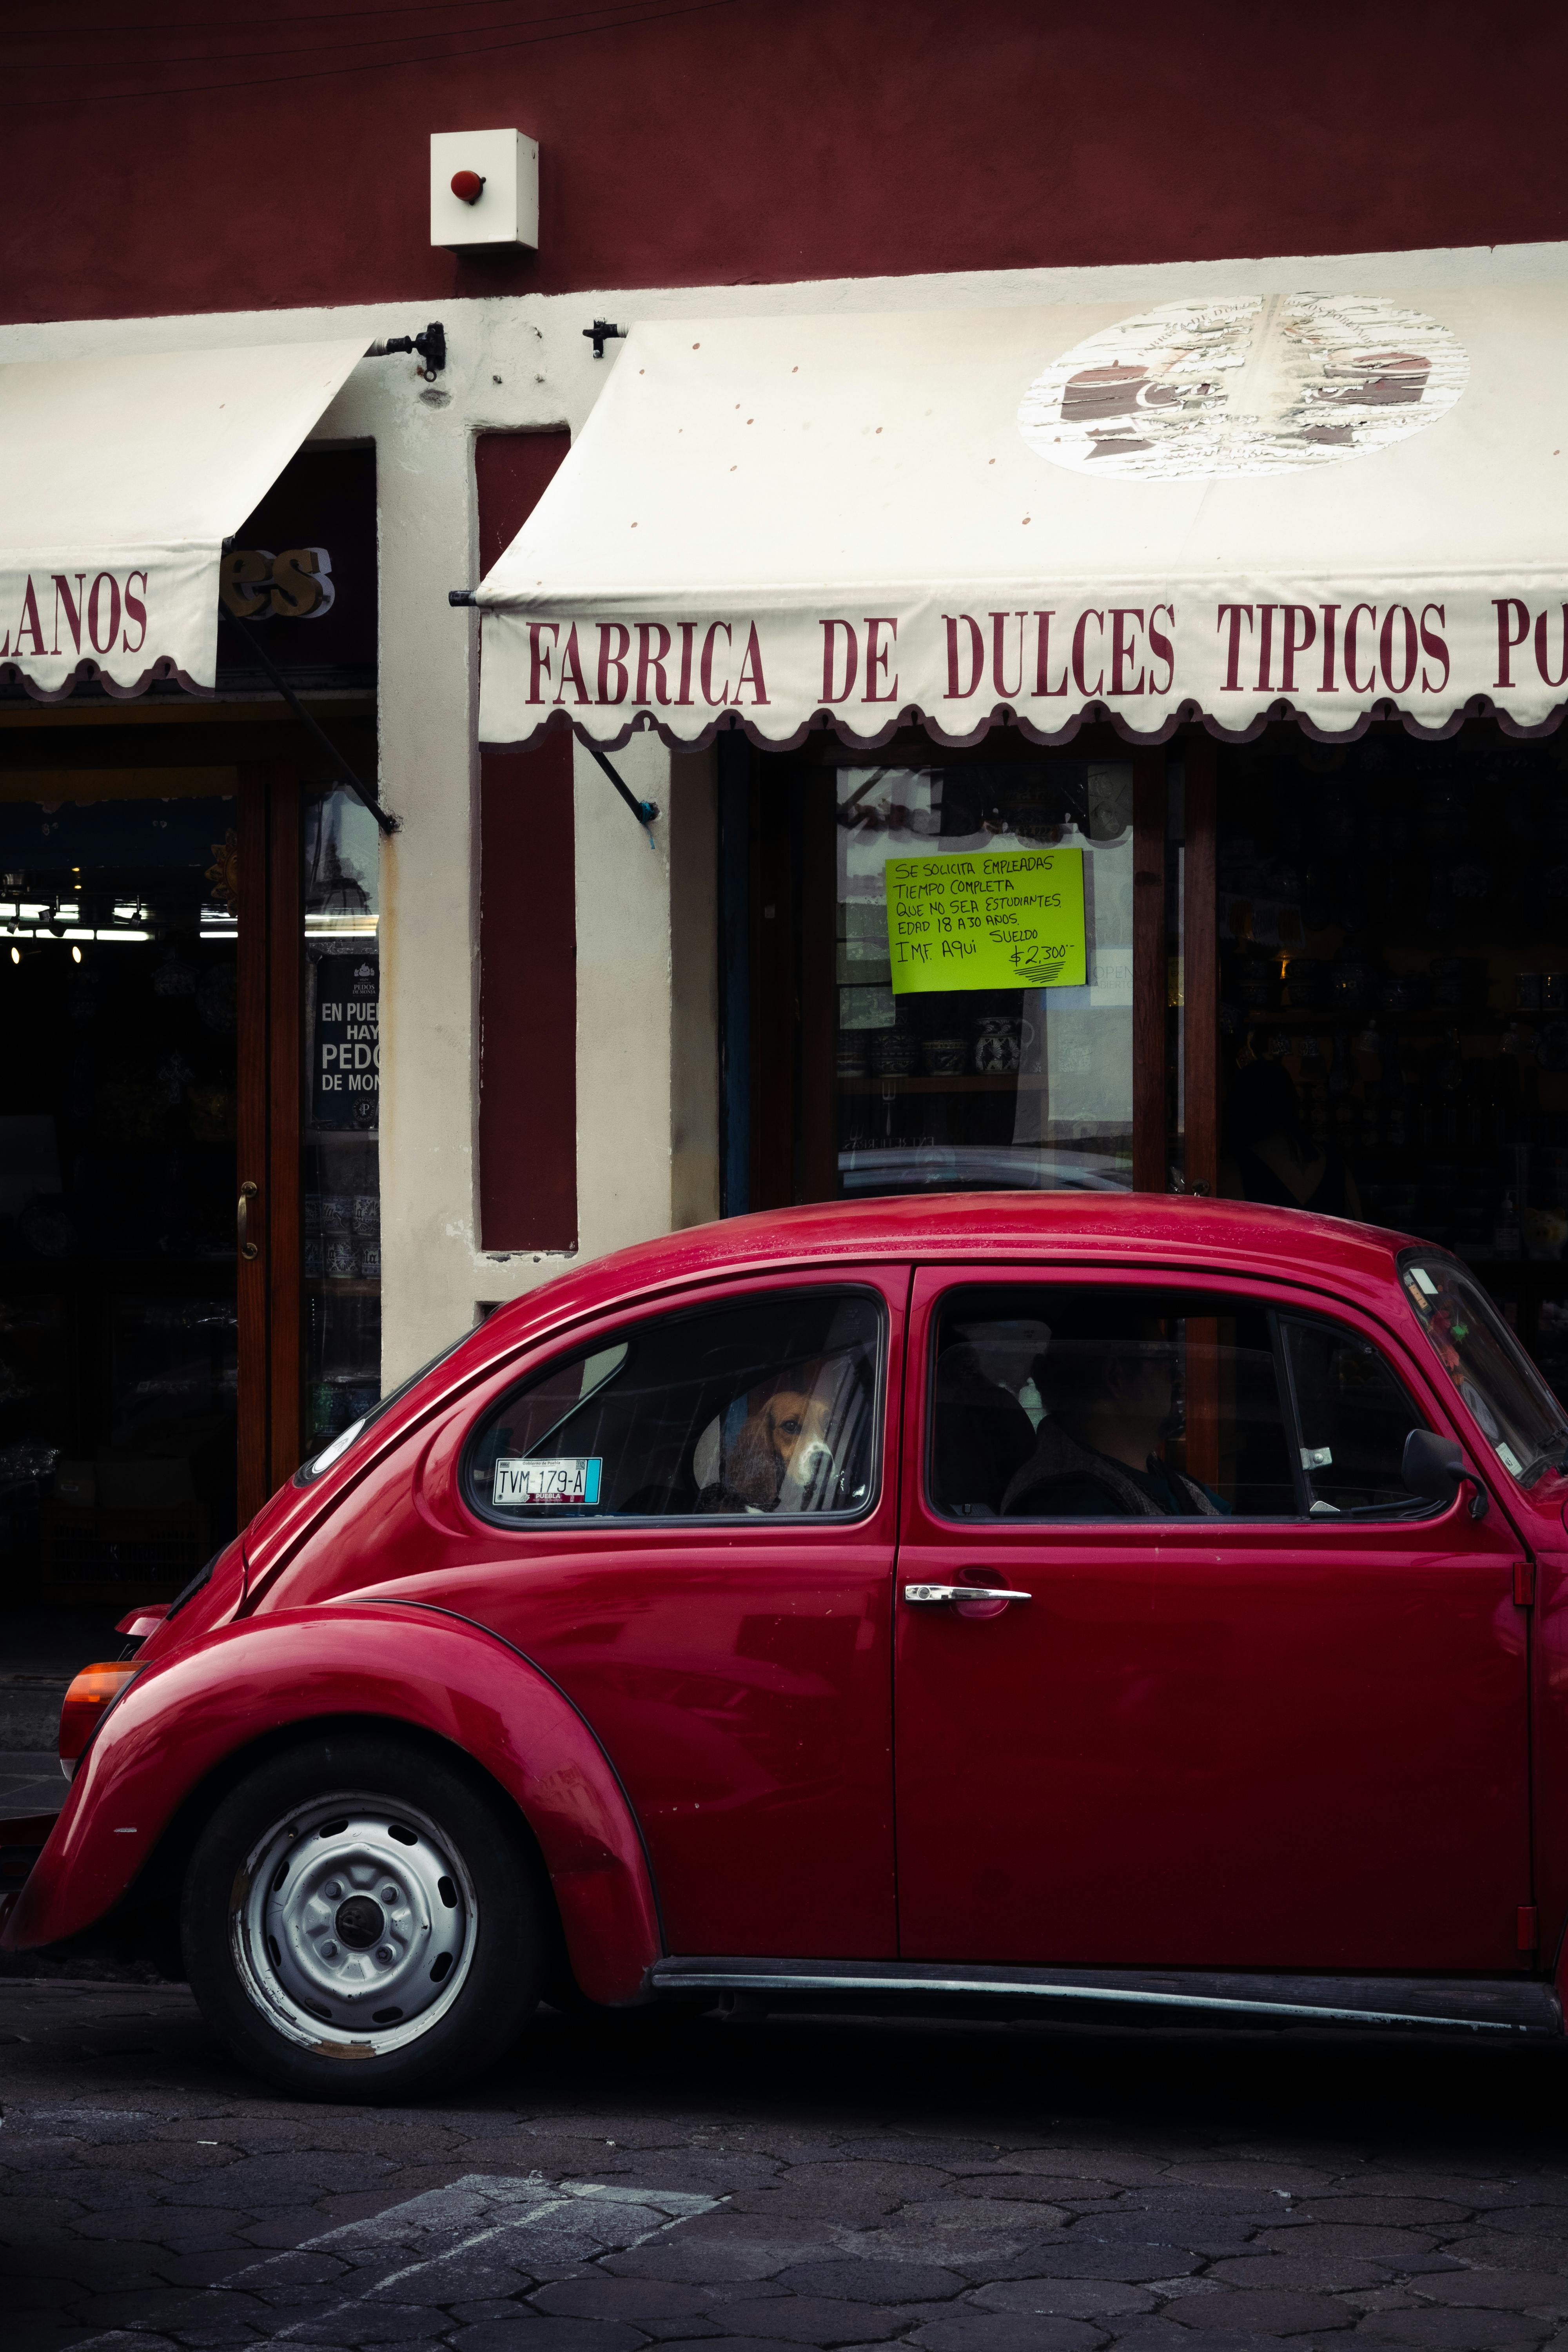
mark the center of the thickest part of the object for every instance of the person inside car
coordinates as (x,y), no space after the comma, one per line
(1109,1394)
(982,1434)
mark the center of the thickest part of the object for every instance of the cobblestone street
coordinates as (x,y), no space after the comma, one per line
(958,2187)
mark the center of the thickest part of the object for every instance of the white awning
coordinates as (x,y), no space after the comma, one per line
(121,478)
(1320,507)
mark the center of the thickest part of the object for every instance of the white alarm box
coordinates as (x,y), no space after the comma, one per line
(506,209)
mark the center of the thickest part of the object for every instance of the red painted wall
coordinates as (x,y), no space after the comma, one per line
(206,158)
(528,963)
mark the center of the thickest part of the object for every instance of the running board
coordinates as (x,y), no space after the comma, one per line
(1472,2005)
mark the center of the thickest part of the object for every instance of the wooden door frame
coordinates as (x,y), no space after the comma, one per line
(1196,973)
(774,991)
(1200,966)
(1150,972)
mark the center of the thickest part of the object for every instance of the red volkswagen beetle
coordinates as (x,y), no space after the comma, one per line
(1038,1599)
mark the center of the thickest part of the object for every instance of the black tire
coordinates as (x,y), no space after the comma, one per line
(356,1819)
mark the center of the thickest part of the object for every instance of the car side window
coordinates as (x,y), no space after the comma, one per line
(1050,1402)
(759,1408)
(1353,1416)
(1054,1402)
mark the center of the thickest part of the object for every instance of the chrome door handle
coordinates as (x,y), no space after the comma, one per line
(930,1595)
(247,1247)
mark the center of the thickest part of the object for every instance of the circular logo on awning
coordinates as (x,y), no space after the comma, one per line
(1264,385)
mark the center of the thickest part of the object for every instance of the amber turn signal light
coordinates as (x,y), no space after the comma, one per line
(92,1693)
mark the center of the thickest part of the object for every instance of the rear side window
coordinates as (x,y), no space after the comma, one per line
(1052,1402)
(760,1408)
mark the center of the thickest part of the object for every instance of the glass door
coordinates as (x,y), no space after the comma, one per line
(984,1030)
(944,970)
(144,1379)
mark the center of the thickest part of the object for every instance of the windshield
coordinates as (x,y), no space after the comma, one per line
(1515,1411)
(345,1438)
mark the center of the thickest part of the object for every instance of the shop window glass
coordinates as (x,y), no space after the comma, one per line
(969,1085)
(341,1183)
(759,1409)
(1353,1417)
(1393,999)
(337,1447)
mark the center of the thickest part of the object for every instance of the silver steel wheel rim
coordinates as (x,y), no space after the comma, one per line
(353,1925)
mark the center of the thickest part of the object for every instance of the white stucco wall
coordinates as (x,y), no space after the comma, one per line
(645,1040)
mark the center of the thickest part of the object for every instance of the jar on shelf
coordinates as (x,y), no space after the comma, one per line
(998,1044)
(894,1053)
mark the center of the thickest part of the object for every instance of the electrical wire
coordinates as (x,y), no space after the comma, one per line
(372,41)
(77,97)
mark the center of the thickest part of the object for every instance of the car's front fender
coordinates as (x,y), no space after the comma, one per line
(185,1720)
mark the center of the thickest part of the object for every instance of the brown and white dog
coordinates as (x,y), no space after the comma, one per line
(783,1438)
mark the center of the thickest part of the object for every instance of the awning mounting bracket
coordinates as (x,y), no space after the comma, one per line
(645,811)
(345,775)
(602,332)
(430,347)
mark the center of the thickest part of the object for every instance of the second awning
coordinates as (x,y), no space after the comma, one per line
(122,477)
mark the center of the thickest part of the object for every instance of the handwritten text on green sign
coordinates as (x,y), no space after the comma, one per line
(1011,918)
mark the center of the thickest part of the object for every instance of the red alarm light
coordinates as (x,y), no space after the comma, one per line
(467,187)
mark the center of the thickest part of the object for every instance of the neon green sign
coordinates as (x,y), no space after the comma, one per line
(1003,918)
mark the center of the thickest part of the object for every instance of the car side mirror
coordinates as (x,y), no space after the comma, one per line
(1433,1465)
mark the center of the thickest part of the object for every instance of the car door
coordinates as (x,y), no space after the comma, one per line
(1263,1729)
(685,1515)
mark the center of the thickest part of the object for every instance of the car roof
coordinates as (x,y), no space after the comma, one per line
(1156,1229)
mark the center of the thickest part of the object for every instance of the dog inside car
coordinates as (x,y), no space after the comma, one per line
(778,1445)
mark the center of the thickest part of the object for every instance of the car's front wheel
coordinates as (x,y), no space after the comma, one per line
(359,1920)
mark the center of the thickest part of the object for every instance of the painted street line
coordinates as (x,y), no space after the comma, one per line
(424,2250)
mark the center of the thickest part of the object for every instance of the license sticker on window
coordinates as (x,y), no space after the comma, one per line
(572,1479)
